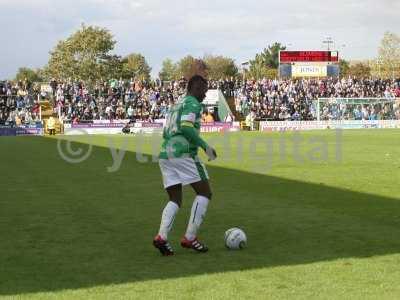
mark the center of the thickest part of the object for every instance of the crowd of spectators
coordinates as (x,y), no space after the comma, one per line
(295,99)
(19,103)
(115,100)
(285,99)
(119,99)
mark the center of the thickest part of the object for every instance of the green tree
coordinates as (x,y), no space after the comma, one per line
(184,65)
(344,67)
(43,74)
(28,74)
(270,55)
(389,55)
(258,69)
(83,55)
(190,66)
(169,70)
(135,65)
(266,61)
(112,66)
(220,67)
(360,70)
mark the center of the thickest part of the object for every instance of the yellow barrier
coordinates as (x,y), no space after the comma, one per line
(58,126)
(243,126)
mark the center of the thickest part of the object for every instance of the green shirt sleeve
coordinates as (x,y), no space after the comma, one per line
(192,135)
(190,122)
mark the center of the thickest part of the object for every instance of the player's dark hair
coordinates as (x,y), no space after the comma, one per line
(195,80)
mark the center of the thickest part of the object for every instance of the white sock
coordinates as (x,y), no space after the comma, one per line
(167,219)
(199,210)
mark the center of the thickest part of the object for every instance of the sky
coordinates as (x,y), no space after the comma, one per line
(169,28)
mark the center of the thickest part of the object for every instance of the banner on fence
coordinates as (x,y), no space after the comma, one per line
(14,131)
(220,127)
(313,125)
(34,129)
(141,127)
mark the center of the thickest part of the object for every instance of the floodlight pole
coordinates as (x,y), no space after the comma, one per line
(328,41)
(393,68)
(244,65)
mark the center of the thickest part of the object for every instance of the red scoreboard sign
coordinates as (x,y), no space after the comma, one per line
(308,56)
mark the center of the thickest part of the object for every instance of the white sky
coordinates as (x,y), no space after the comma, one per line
(171,28)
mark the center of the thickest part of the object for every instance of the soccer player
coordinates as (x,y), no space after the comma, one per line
(180,166)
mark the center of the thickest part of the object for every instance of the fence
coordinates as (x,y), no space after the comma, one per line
(357,108)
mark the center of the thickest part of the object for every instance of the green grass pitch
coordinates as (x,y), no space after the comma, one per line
(322,218)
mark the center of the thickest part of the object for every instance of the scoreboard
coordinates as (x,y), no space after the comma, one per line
(308,63)
(308,56)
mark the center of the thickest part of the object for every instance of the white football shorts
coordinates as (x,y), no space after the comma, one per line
(182,171)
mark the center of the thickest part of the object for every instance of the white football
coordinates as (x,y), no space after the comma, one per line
(235,238)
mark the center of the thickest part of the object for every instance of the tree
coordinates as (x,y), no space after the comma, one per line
(112,66)
(184,65)
(42,73)
(344,67)
(389,55)
(259,70)
(360,70)
(220,67)
(84,55)
(190,66)
(169,70)
(28,74)
(266,61)
(270,55)
(135,65)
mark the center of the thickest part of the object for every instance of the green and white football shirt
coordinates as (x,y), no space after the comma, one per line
(185,113)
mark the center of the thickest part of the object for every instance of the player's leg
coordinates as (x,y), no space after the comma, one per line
(202,188)
(175,194)
(174,189)
(167,219)
(170,210)
(199,208)
(192,171)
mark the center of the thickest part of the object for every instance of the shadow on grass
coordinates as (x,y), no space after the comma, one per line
(65,226)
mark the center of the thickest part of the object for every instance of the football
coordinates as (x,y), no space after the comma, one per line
(235,238)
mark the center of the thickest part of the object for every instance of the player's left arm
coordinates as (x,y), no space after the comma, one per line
(188,119)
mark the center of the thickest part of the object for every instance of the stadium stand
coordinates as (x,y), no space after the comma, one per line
(76,102)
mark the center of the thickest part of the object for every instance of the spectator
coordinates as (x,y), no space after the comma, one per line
(126,129)
(209,118)
(250,120)
(51,126)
